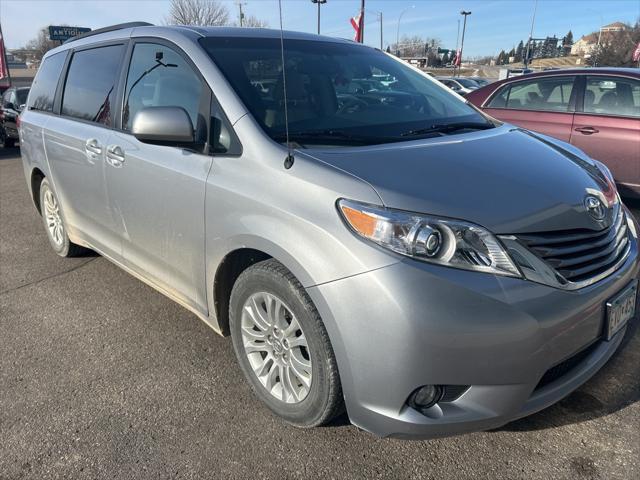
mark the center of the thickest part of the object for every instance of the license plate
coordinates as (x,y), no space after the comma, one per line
(620,309)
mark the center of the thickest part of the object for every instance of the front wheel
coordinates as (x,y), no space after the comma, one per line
(282,346)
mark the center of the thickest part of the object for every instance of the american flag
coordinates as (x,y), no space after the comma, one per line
(636,53)
(356,23)
(5,80)
(458,60)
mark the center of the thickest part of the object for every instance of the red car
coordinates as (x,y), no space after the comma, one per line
(595,109)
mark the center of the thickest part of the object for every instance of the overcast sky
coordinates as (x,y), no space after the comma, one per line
(493,24)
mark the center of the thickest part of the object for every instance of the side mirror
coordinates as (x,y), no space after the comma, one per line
(163,126)
(10,106)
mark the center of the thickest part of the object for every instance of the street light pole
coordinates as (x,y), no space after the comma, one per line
(398,29)
(457,43)
(464,28)
(318,2)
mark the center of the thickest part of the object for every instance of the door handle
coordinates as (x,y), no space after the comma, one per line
(587,130)
(115,155)
(93,146)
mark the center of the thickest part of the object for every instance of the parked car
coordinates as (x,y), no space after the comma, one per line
(460,85)
(595,109)
(12,103)
(400,255)
(513,72)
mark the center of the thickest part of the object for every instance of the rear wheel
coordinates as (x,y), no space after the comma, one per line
(282,346)
(54,224)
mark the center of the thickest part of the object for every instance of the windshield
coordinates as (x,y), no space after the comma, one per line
(337,93)
(467,82)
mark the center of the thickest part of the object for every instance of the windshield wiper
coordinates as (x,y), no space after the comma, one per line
(448,128)
(329,135)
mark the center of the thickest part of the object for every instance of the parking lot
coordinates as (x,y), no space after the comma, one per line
(103,377)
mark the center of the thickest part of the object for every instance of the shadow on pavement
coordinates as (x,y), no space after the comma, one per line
(9,153)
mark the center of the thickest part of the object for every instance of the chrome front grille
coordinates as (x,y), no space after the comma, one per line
(580,255)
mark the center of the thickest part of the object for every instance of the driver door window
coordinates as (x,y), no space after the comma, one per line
(612,96)
(160,77)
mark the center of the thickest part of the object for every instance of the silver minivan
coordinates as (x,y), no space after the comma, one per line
(377,247)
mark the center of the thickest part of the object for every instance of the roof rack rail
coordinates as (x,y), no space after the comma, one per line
(112,28)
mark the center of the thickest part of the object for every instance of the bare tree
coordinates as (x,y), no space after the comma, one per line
(253,21)
(415,46)
(41,44)
(198,12)
(616,49)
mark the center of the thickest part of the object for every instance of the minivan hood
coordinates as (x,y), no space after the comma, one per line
(505,179)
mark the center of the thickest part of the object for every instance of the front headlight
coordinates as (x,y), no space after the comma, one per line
(452,243)
(611,194)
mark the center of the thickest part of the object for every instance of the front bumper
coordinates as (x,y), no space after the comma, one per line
(411,324)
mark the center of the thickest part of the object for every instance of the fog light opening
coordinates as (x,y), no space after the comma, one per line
(425,397)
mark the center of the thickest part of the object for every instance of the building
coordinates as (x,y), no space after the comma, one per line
(588,43)
(614,27)
(585,46)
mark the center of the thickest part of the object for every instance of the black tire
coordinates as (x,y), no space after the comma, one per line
(65,248)
(324,400)
(9,142)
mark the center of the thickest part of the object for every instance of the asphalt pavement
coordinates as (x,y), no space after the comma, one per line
(103,377)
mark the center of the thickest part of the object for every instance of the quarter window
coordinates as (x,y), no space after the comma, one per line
(546,94)
(612,96)
(91,84)
(221,137)
(160,77)
(43,90)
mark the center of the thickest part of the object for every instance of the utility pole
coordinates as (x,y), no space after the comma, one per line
(240,4)
(595,62)
(380,17)
(318,2)
(464,28)
(533,21)
(361,21)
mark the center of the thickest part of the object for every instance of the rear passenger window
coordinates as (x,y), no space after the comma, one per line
(91,84)
(546,94)
(159,77)
(612,96)
(43,90)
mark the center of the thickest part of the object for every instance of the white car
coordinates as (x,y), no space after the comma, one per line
(459,85)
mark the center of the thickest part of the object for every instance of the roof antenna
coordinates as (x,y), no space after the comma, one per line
(288,162)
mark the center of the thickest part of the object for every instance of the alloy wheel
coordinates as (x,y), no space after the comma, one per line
(54,220)
(276,347)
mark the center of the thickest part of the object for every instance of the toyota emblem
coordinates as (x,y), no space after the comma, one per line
(595,207)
